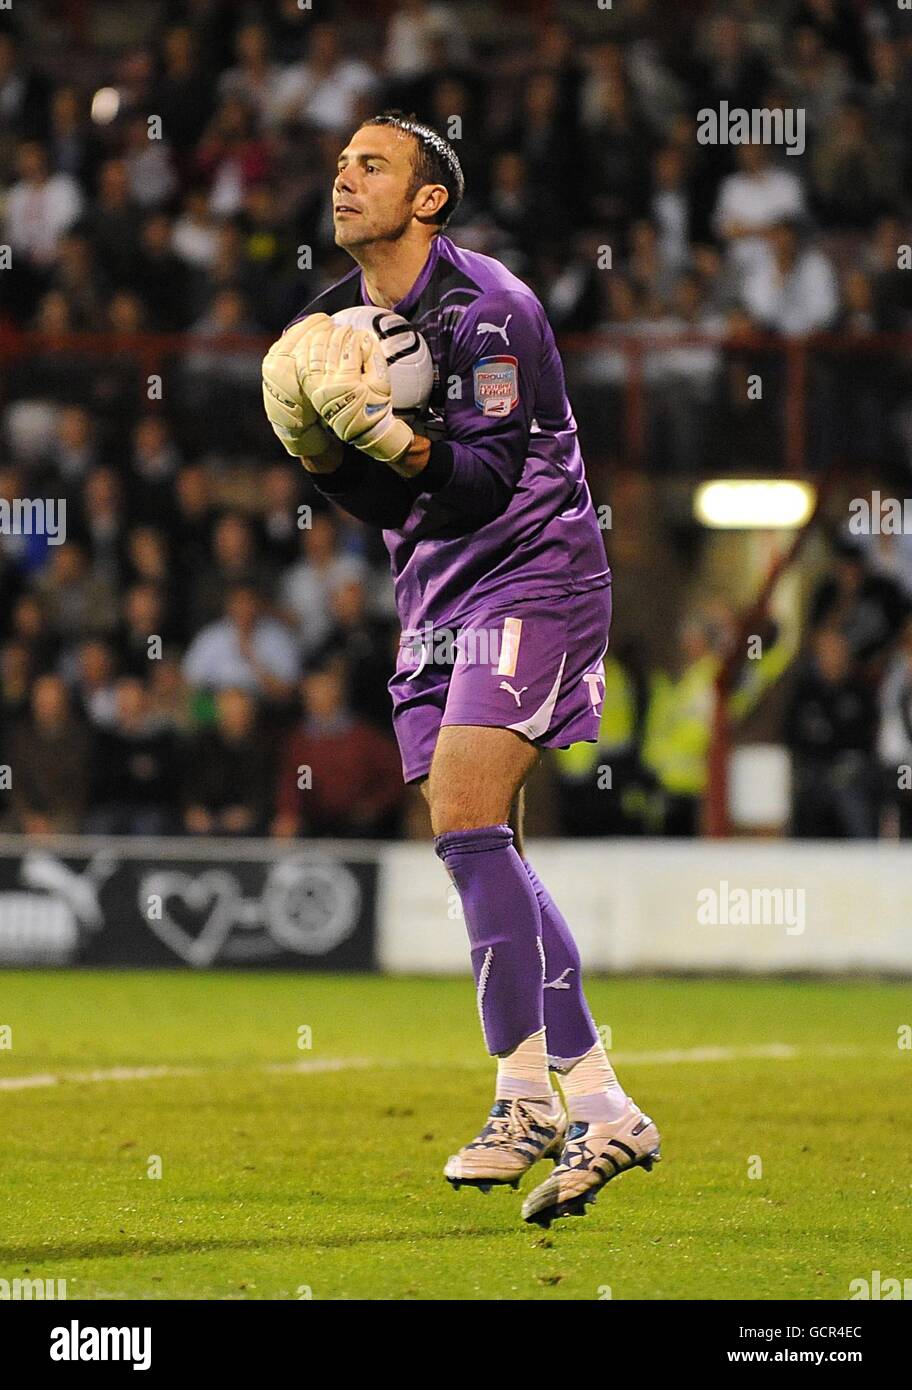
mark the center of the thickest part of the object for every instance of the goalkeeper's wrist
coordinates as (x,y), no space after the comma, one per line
(328,459)
(413,462)
(393,445)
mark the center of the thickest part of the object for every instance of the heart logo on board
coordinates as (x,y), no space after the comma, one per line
(193,915)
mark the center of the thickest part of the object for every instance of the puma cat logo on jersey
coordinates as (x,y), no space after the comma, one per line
(505,685)
(493,328)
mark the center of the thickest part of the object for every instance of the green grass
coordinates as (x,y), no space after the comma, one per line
(275,1180)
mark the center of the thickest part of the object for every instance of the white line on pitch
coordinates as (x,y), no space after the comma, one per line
(38,1079)
(771,1051)
(774,1052)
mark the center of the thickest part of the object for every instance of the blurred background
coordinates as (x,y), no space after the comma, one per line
(759,679)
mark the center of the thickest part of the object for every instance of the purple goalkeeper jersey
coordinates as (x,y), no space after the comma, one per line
(502,513)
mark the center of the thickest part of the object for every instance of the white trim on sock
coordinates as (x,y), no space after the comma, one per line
(591,1088)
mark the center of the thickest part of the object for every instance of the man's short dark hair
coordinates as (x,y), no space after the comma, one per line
(435,159)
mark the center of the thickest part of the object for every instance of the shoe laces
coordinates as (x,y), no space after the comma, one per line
(511,1123)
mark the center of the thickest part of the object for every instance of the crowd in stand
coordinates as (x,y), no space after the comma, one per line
(209,629)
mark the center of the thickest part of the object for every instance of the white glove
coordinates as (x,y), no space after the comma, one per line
(347,379)
(293,418)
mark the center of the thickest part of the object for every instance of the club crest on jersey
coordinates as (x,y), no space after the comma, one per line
(496,383)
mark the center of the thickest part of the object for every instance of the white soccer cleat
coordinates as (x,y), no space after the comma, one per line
(518,1133)
(593,1154)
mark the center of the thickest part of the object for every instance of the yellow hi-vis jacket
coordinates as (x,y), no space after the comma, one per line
(678,726)
(679,716)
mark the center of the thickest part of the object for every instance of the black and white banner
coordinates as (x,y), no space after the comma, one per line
(218,903)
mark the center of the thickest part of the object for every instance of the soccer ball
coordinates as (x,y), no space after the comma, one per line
(408,357)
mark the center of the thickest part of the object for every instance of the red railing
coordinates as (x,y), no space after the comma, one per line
(152,352)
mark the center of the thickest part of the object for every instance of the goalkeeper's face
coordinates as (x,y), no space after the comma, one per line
(374,198)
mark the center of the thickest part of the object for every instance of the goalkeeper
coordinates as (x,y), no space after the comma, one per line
(492,535)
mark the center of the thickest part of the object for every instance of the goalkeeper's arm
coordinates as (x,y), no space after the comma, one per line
(375,495)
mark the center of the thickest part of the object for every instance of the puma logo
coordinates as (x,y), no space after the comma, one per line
(505,685)
(493,328)
(560,982)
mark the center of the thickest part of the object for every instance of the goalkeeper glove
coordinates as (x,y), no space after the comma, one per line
(293,418)
(347,379)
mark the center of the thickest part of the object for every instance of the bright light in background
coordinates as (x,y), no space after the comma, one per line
(105,105)
(746,503)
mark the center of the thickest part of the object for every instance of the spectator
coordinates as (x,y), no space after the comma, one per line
(256,78)
(149,167)
(830,727)
(244,649)
(894,737)
(866,609)
(338,775)
(305,588)
(71,145)
(670,206)
(113,223)
(183,95)
(134,768)
(815,77)
(50,760)
(102,524)
(192,523)
(231,158)
(195,237)
(154,465)
(76,452)
(683,381)
(281,522)
(78,603)
(617,146)
(30,626)
(16,678)
(94,684)
(412,34)
(753,201)
(789,286)
(366,647)
(23,93)
(734,71)
(234,560)
(228,782)
(145,628)
(162,280)
(80,279)
(169,702)
(327,91)
(855,179)
(39,208)
(148,558)
(890,103)
(221,382)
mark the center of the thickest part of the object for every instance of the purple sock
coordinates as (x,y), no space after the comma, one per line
(504,924)
(568,1023)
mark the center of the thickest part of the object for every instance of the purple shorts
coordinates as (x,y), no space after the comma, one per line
(534,666)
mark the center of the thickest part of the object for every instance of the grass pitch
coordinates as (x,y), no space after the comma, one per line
(288,1171)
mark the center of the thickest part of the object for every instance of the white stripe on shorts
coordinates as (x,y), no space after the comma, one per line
(537,723)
